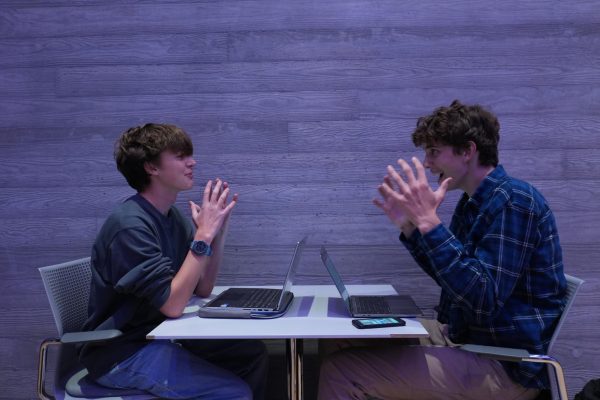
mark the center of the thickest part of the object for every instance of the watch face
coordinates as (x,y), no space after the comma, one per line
(199,247)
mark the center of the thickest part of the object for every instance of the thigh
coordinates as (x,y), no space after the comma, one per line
(234,355)
(169,371)
(247,359)
(217,350)
(327,347)
(415,372)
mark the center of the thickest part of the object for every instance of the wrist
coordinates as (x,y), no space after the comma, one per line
(428,224)
(200,248)
(407,228)
(203,236)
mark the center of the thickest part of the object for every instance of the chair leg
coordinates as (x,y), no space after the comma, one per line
(560,380)
(558,372)
(41,387)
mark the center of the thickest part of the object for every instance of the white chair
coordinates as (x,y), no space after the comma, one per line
(520,355)
(68,288)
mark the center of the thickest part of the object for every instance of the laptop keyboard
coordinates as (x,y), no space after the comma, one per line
(370,305)
(263,298)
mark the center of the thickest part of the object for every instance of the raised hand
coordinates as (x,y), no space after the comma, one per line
(390,208)
(414,199)
(211,218)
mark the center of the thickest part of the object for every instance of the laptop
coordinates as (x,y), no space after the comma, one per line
(371,306)
(255,302)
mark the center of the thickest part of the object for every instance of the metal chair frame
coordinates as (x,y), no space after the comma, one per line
(520,355)
(68,289)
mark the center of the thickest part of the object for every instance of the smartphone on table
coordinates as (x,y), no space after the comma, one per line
(386,322)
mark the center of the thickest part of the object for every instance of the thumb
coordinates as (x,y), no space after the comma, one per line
(440,193)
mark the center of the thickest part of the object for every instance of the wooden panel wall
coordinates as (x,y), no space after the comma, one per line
(300,104)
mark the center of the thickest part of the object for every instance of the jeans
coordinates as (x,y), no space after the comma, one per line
(195,369)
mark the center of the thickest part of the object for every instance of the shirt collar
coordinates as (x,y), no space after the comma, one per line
(150,209)
(488,185)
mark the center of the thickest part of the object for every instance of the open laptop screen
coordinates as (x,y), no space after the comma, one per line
(337,279)
(291,274)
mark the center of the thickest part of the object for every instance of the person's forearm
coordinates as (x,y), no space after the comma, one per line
(184,283)
(207,280)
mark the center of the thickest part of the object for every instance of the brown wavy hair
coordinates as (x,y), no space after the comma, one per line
(457,125)
(141,144)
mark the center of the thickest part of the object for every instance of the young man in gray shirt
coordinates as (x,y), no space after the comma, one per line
(147,261)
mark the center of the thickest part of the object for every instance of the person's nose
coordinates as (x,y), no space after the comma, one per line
(426,162)
(191,162)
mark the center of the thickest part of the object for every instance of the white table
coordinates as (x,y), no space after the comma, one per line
(316,313)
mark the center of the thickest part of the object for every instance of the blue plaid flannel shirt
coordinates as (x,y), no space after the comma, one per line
(500,269)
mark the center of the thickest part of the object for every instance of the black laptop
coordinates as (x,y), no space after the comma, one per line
(371,306)
(255,302)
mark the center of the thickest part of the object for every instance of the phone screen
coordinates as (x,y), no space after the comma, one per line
(365,323)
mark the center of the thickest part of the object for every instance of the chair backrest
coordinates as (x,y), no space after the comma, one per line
(573,285)
(68,288)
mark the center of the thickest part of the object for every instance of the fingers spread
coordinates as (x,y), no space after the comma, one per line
(230,206)
(223,198)
(441,191)
(388,181)
(421,177)
(385,190)
(395,176)
(408,172)
(216,193)
(207,191)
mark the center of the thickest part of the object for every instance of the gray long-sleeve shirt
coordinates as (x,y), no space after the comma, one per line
(136,255)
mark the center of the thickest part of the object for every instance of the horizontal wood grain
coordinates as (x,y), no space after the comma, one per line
(132,110)
(439,40)
(28,18)
(103,50)
(368,74)
(28,81)
(513,101)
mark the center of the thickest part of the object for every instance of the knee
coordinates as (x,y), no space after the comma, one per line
(258,352)
(259,348)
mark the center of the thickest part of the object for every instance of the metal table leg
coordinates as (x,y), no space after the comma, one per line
(294,354)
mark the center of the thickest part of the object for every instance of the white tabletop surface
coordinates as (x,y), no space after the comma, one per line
(316,312)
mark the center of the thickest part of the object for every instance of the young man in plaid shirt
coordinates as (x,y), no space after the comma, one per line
(499,266)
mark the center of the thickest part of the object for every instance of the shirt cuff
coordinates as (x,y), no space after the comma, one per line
(412,240)
(435,238)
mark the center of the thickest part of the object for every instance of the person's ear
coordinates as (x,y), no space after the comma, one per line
(150,168)
(470,150)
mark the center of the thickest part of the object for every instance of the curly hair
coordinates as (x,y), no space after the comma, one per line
(456,126)
(141,144)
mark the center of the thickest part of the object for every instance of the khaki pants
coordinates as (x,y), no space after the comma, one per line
(427,369)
